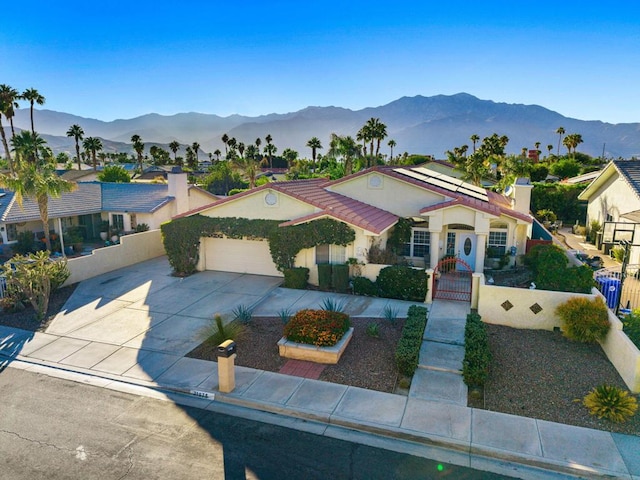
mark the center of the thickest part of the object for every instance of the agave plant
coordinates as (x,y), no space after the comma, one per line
(243,314)
(391,314)
(612,403)
(285,315)
(331,305)
(217,332)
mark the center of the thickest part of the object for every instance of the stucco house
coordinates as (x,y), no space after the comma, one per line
(614,201)
(124,205)
(449,218)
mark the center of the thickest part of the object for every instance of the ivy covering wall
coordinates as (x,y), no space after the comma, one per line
(181,237)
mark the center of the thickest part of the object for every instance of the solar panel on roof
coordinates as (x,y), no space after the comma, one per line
(445,182)
(426,171)
(469,193)
(439,183)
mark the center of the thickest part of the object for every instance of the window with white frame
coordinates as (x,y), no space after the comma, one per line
(117,221)
(497,243)
(12,233)
(451,244)
(333,254)
(419,244)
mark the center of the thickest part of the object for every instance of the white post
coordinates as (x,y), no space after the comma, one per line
(61,237)
(429,297)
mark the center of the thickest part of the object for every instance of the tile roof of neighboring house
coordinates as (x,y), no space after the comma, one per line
(77,175)
(134,197)
(83,201)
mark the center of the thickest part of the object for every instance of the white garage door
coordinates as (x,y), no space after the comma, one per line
(241,256)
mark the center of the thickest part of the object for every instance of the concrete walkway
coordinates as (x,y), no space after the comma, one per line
(129,330)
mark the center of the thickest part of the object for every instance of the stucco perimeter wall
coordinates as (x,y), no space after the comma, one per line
(132,249)
(620,351)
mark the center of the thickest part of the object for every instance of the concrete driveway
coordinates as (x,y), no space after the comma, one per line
(143,307)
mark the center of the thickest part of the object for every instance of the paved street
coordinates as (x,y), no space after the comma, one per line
(54,429)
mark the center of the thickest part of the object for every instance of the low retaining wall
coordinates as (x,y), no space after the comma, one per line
(134,248)
(311,353)
(535,310)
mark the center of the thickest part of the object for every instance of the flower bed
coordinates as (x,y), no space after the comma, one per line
(322,328)
(312,353)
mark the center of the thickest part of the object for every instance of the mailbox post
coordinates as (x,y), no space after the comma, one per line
(226,354)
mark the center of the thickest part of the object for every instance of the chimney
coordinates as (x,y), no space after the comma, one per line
(520,194)
(179,189)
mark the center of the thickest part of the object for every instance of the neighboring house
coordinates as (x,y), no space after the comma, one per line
(614,201)
(124,205)
(450,217)
(81,175)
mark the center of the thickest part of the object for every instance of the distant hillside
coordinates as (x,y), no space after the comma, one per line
(428,125)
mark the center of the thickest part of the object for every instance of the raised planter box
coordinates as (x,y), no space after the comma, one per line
(311,353)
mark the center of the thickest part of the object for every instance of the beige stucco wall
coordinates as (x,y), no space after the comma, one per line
(134,248)
(393,195)
(620,351)
(614,197)
(253,206)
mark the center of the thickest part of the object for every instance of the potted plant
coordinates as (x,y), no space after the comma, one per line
(115,235)
(104,229)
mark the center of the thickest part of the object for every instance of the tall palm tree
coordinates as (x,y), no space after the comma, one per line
(8,102)
(314,144)
(345,147)
(174,146)
(392,143)
(39,183)
(225,139)
(217,153)
(258,142)
(364,136)
(268,150)
(248,167)
(380,133)
(549,148)
(77,133)
(138,147)
(560,131)
(241,148)
(474,138)
(368,132)
(92,145)
(195,146)
(33,96)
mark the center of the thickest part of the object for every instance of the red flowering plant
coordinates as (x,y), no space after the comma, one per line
(321,328)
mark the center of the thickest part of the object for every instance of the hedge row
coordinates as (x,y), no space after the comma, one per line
(408,348)
(403,283)
(477,355)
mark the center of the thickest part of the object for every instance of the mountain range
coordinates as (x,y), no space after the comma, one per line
(424,125)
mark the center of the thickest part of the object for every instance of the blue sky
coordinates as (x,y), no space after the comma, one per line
(117,59)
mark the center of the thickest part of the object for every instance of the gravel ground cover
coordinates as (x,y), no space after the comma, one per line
(25,319)
(540,374)
(368,362)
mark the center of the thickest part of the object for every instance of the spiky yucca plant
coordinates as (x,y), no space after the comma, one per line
(216,332)
(612,403)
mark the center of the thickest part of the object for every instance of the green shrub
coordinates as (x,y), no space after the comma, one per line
(403,283)
(549,265)
(324,276)
(58,272)
(584,320)
(243,314)
(546,215)
(631,327)
(142,227)
(364,286)
(477,355)
(322,328)
(544,257)
(618,253)
(216,332)
(610,402)
(331,305)
(390,314)
(408,348)
(285,315)
(340,277)
(26,243)
(373,330)
(296,277)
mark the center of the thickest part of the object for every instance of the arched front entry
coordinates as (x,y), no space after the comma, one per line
(452,280)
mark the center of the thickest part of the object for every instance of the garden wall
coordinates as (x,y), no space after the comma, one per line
(134,248)
(517,307)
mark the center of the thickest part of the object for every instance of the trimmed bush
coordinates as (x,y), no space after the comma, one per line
(549,264)
(324,276)
(364,286)
(296,277)
(403,283)
(408,348)
(322,328)
(631,327)
(477,355)
(340,277)
(610,402)
(584,320)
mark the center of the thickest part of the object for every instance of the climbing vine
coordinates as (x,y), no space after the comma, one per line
(181,237)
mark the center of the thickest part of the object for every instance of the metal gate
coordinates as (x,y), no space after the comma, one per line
(621,292)
(452,280)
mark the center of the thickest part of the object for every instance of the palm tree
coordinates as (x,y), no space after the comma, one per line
(380,133)
(474,138)
(392,143)
(364,136)
(369,134)
(33,96)
(93,145)
(549,148)
(138,147)
(345,147)
(27,145)
(174,146)
(560,131)
(314,144)
(217,153)
(195,146)
(248,167)
(8,102)
(77,133)
(258,142)
(252,151)
(225,139)
(241,149)
(268,150)
(39,183)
